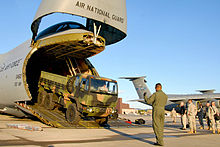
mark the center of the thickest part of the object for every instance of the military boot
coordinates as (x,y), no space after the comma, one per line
(218,131)
(208,128)
(213,131)
(190,132)
(194,132)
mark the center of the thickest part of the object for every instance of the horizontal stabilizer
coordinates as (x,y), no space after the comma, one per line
(132,78)
(206,91)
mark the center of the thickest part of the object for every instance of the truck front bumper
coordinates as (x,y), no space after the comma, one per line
(99,111)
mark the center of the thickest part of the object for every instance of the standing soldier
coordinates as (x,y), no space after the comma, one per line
(183,115)
(191,112)
(173,115)
(200,115)
(207,115)
(212,111)
(158,101)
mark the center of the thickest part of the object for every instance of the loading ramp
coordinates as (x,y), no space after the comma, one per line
(54,118)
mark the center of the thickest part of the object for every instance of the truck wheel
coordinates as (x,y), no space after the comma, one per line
(48,102)
(72,115)
(41,97)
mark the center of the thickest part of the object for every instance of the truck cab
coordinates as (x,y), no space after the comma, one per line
(94,96)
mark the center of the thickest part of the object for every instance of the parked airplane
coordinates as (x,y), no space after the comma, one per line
(173,99)
(67,43)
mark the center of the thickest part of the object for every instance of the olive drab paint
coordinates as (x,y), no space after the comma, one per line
(89,103)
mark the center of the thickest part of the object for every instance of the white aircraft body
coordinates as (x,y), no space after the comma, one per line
(20,68)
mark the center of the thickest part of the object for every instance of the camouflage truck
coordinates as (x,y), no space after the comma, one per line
(80,96)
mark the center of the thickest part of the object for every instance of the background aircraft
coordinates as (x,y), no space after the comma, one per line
(173,99)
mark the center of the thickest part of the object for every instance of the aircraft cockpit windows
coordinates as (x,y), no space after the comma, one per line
(59,28)
(75,26)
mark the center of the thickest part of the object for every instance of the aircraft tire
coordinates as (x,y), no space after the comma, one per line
(41,97)
(48,102)
(72,115)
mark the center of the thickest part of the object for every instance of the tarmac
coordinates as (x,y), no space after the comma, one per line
(108,137)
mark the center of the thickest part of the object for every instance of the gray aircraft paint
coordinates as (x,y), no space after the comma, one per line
(173,99)
(140,86)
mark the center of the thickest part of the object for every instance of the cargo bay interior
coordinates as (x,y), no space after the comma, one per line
(40,61)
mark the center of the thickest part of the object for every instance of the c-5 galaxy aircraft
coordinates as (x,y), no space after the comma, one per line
(173,99)
(61,49)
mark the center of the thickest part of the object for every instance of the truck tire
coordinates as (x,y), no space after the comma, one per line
(41,97)
(48,101)
(72,115)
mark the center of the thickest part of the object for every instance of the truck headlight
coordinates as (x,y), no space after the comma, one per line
(89,109)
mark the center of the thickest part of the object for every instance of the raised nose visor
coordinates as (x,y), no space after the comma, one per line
(75,43)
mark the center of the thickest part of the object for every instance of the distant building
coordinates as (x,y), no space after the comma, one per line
(124,108)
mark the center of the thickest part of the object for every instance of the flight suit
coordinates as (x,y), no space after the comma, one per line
(212,111)
(158,101)
(191,112)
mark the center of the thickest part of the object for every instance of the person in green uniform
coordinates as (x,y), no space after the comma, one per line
(158,101)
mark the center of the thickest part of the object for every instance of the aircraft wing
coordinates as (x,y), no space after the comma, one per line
(196,97)
(177,98)
(173,99)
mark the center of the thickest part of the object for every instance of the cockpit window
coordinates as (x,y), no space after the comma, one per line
(59,28)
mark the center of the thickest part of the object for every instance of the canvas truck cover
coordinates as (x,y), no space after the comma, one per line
(110,14)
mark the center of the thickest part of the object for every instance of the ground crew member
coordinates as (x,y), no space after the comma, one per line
(173,115)
(212,111)
(191,113)
(207,116)
(158,101)
(200,115)
(183,115)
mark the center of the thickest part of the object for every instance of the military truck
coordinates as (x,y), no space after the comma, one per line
(80,96)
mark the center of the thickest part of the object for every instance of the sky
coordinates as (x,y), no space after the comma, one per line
(174,42)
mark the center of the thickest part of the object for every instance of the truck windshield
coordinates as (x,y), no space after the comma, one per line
(102,86)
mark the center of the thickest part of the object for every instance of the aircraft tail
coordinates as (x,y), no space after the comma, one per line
(140,85)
